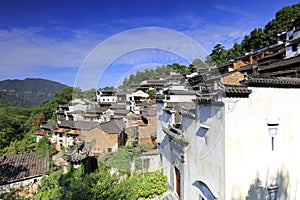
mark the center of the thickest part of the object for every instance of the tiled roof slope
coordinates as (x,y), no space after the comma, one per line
(275,82)
(113,126)
(18,167)
(288,62)
(236,89)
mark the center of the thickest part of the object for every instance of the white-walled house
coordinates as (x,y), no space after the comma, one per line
(292,40)
(235,143)
(106,97)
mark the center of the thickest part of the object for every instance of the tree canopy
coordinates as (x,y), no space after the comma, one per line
(160,72)
(258,37)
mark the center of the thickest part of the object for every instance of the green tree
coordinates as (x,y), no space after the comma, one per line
(283,21)
(64,96)
(259,37)
(43,146)
(18,126)
(109,88)
(218,54)
(101,184)
(199,63)
(235,51)
(50,187)
(149,185)
(121,159)
(77,93)
(89,93)
(152,94)
(182,69)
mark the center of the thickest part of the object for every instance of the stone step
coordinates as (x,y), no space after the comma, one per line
(169,195)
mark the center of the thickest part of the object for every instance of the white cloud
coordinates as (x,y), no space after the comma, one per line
(209,35)
(24,49)
(121,44)
(232,9)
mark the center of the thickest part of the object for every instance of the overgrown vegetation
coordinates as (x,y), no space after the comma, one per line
(68,93)
(100,184)
(18,126)
(8,100)
(127,160)
(121,159)
(258,37)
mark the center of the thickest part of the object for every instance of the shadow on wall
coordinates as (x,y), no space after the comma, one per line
(258,191)
(283,180)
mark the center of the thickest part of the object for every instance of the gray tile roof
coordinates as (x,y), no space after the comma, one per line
(79,125)
(288,62)
(97,109)
(118,106)
(85,125)
(49,126)
(121,112)
(175,134)
(66,124)
(236,90)
(275,82)
(180,92)
(19,167)
(113,126)
(75,112)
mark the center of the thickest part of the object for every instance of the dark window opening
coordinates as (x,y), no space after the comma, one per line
(295,47)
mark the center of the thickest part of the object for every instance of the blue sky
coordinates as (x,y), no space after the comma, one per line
(52,39)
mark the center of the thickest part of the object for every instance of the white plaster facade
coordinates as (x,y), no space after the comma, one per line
(31,184)
(293,44)
(102,98)
(248,146)
(229,146)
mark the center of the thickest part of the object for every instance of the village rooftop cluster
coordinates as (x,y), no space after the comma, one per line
(212,133)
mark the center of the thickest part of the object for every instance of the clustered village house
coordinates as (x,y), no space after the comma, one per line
(226,132)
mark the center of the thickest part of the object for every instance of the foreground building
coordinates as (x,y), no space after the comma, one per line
(22,172)
(233,142)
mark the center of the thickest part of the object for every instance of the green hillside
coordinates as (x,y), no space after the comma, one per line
(35,90)
(8,100)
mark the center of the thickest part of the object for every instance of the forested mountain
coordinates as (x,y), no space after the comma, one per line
(35,90)
(8,100)
(258,37)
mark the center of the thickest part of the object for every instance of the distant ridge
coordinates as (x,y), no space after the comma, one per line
(35,90)
(8,100)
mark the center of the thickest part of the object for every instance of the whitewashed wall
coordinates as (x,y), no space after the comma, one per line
(205,154)
(248,144)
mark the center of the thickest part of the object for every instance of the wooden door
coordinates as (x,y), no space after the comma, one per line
(177,184)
